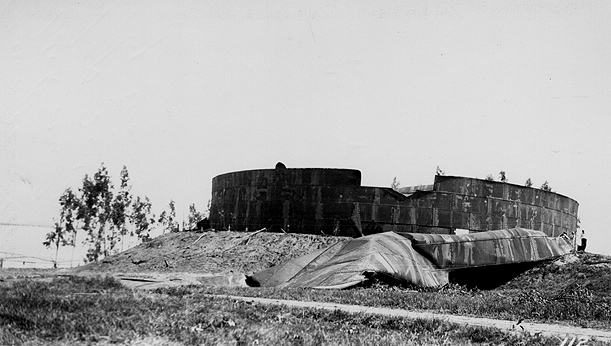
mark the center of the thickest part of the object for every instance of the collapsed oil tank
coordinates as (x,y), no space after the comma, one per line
(333,202)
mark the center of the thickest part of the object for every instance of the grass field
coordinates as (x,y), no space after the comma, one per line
(74,310)
(45,308)
(573,305)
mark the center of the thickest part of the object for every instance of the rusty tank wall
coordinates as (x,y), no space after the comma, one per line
(300,200)
(482,205)
(331,201)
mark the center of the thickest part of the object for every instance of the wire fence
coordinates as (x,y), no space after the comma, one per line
(16,260)
(21,247)
(24,224)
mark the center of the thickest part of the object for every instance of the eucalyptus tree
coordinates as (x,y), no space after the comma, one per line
(96,215)
(194,217)
(121,209)
(142,218)
(65,230)
(167,219)
(104,216)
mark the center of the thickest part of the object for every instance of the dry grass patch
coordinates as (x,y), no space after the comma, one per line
(101,311)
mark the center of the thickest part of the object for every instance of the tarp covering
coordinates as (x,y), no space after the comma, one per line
(516,245)
(421,259)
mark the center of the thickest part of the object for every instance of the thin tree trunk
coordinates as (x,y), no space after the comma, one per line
(56,252)
(72,257)
(103,230)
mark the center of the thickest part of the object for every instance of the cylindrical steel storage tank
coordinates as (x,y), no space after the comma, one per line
(292,199)
(482,205)
(332,201)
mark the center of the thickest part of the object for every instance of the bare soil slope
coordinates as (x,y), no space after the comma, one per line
(576,275)
(223,252)
(227,252)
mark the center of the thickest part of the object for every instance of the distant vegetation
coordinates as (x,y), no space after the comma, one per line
(107,215)
(503,178)
(395,184)
(546,187)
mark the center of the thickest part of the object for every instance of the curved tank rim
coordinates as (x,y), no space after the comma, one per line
(290,169)
(508,183)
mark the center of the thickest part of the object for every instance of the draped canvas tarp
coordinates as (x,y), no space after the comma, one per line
(510,246)
(420,259)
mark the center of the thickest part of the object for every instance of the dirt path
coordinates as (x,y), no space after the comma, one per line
(550,330)
(155,280)
(149,281)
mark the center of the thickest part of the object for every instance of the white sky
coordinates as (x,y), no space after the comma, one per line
(183,91)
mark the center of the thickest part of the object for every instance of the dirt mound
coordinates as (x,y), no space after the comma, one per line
(222,252)
(583,272)
(229,252)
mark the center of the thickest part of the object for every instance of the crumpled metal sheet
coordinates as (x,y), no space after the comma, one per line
(516,245)
(346,264)
(421,259)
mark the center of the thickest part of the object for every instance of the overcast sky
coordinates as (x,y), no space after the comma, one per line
(181,91)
